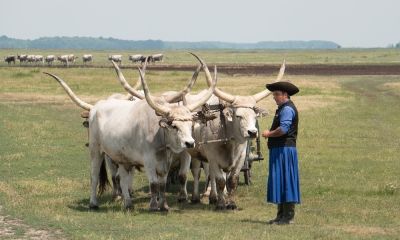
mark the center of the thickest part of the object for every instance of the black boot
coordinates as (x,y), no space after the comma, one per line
(278,215)
(288,214)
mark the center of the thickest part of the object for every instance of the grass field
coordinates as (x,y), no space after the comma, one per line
(334,56)
(348,150)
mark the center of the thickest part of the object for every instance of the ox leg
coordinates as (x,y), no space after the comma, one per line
(232,184)
(218,176)
(96,161)
(185,159)
(233,180)
(211,187)
(213,197)
(126,180)
(154,185)
(163,199)
(154,190)
(115,178)
(162,175)
(196,178)
(131,173)
(207,186)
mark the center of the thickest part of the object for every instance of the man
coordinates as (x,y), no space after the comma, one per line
(283,179)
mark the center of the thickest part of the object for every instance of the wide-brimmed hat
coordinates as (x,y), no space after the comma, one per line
(283,86)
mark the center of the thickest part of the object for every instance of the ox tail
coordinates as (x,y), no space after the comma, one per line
(71,94)
(103,178)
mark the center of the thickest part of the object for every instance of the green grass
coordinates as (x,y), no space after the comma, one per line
(348,151)
(333,56)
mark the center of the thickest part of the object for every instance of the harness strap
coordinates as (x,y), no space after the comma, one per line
(222,117)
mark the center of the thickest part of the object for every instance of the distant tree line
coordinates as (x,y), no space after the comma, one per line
(118,44)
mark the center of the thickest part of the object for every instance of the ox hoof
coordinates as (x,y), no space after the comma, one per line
(164,209)
(182,200)
(220,208)
(212,200)
(129,208)
(195,200)
(231,206)
(116,197)
(154,209)
(153,206)
(93,207)
(128,205)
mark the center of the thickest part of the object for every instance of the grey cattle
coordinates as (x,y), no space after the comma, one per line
(133,135)
(156,58)
(115,58)
(10,59)
(22,58)
(31,58)
(137,58)
(239,118)
(50,59)
(86,58)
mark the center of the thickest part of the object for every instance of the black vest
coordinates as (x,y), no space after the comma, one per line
(288,139)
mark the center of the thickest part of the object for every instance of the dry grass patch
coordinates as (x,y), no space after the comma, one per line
(367,231)
(395,85)
(11,193)
(12,228)
(44,187)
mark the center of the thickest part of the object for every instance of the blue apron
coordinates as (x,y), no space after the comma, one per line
(283,179)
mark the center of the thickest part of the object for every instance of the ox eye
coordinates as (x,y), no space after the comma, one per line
(174,127)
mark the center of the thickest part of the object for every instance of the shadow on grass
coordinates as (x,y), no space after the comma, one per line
(140,196)
(253,221)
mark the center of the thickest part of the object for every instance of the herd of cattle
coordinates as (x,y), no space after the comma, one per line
(71,58)
(144,132)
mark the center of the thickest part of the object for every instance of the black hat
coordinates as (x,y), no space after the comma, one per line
(288,87)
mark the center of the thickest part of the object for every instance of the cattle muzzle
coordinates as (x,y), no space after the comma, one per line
(252,133)
(189,144)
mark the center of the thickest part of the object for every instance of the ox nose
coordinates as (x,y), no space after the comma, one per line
(189,144)
(252,133)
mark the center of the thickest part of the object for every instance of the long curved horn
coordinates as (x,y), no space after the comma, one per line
(263,94)
(70,93)
(206,96)
(163,110)
(281,71)
(219,93)
(125,84)
(139,82)
(179,95)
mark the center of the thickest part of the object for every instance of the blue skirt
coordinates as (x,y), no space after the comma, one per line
(283,179)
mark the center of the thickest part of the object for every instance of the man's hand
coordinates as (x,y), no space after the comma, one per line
(265,133)
(274,133)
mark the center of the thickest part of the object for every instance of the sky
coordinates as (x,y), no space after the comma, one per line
(350,23)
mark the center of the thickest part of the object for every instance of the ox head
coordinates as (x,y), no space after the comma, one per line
(241,111)
(176,120)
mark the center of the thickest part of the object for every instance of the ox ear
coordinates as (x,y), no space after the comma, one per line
(260,112)
(228,113)
(164,123)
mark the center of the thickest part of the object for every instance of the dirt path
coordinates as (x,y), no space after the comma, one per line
(11,228)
